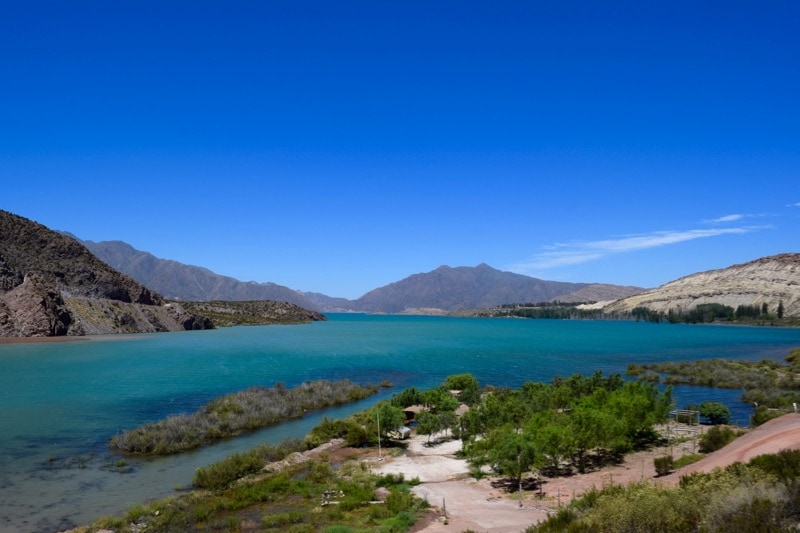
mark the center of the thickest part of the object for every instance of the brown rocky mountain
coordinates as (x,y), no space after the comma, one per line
(450,289)
(51,285)
(770,280)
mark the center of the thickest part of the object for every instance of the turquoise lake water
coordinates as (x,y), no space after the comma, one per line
(60,403)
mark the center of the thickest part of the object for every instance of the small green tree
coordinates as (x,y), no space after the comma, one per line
(390,417)
(439,400)
(553,437)
(716,412)
(407,397)
(466,384)
(428,424)
(780,309)
(513,453)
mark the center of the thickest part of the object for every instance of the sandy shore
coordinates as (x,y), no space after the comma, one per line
(460,502)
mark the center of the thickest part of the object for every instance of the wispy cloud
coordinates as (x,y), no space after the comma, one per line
(793,205)
(578,252)
(726,218)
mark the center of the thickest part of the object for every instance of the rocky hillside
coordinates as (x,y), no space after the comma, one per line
(769,280)
(178,281)
(51,285)
(458,288)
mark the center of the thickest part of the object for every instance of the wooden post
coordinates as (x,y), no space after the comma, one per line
(378,417)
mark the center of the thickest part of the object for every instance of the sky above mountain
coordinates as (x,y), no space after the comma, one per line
(340,146)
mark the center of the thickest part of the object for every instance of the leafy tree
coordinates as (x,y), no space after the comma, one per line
(551,434)
(780,309)
(439,400)
(428,424)
(390,417)
(513,453)
(460,382)
(716,412)
(407,397)
(591,428)
(470,391)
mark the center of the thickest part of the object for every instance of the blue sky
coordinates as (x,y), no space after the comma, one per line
(339,146)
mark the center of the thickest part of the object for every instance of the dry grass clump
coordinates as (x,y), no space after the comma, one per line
(236,413)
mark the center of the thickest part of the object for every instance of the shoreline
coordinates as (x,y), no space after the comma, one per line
(35,340)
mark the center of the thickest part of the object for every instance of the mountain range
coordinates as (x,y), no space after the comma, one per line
(443,289)
(772,281)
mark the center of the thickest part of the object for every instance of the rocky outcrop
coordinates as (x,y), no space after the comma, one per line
(51,285)
(772,280)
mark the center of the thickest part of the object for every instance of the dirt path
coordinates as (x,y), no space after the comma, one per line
(460,502)
(771,437)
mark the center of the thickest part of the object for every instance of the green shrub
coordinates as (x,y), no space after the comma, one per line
(281,520)
(716,438)
(349,429)
(664,465)
(319,472)
(338,529)
(222,473)
(399,523)
(687,460)
(785,465)
(398,501)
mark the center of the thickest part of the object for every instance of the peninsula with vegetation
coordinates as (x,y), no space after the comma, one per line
(236,413)
(582,453)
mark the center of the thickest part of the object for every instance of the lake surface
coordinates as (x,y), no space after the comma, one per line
(61,402)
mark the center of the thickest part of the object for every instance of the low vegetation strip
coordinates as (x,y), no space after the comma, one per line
(252,313)
(773,387)
(237,413)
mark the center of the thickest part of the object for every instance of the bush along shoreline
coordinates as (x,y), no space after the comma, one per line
(237,413)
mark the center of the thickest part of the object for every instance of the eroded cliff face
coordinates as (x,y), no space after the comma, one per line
(51,285)
(770,280)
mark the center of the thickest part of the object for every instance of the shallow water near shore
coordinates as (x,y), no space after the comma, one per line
(61,402)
